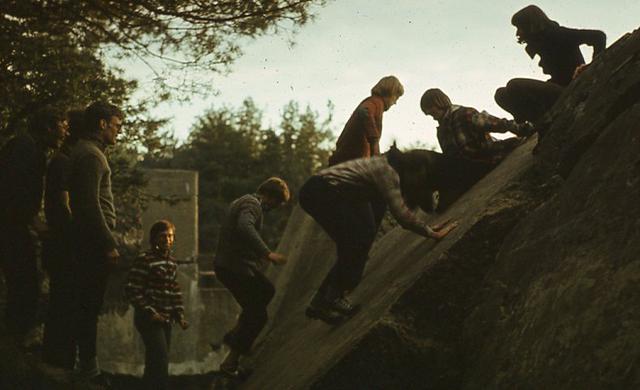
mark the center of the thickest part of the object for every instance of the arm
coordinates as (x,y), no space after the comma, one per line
(136,285)
(369,117)
(594,38)
(176,302)
(248,217)
(87,210)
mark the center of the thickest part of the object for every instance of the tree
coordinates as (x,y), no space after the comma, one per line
(234,153)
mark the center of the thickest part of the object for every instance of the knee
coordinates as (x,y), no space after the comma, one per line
(500,96)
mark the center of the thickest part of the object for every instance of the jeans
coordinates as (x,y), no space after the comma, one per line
(253,293)
(156,337)
(351,223)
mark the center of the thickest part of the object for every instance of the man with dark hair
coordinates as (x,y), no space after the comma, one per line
(22,166)
(240,256)
(94,217)
(58,346)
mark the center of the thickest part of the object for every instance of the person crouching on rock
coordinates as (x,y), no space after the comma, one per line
(240,256)
(338,198)
(464,132)
(153,290)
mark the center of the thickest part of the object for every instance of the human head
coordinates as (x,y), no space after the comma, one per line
(274,192)
(75,118)
(434,102)
(389,89)
(103,120)
(412,168)
(162,235)
(50,125)
(530,21)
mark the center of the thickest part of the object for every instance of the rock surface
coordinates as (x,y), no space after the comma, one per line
(537,288)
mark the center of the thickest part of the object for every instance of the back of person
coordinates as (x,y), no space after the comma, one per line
(364,125)
(233,253)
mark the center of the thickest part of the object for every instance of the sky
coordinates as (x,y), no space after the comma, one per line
(467,48)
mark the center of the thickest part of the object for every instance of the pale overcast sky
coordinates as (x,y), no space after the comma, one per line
(466,48)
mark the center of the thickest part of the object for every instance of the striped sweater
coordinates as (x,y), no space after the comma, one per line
(152,286)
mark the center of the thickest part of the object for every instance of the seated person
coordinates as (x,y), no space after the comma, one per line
(464,132)
(559,51)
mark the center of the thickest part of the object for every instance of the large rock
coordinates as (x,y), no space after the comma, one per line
(537,288)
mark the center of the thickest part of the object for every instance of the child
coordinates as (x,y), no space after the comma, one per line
(154,292)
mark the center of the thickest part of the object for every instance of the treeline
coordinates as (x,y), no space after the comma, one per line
(234,151)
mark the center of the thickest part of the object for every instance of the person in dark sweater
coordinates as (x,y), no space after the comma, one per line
(464,132)
(59,348)
(153,290)
(22,167)
(94,217)
(560,57)
(338,198)
(240,257)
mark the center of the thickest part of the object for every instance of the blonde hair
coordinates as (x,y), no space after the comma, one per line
(275,188)
(434,97)
(387,86)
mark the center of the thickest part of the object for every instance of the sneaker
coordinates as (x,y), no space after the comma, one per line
(324,313)
(236,373)
(344,306)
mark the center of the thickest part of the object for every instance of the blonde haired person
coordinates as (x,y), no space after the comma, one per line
(362,132)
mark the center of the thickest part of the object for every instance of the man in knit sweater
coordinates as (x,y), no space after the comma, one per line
(239,259)
(94,217)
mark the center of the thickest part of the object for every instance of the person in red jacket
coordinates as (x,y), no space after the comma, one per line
(362,132)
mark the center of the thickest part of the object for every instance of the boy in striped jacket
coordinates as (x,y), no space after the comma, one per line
(153,290)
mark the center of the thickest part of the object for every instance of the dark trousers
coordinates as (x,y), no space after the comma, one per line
(253,293)
(90,273)
(59,347)
(528,99)
(18,261)
(352,223)
(156,337)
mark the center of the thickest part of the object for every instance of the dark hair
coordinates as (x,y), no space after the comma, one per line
(75,118)
(275,188)
(158,227)
(98,111)
(413,169)
(44,119)
(532,20)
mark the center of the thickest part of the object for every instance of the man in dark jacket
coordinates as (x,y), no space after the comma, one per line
(23,162)
(94,217)
(240,256)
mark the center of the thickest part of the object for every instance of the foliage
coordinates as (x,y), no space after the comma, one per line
(234,152)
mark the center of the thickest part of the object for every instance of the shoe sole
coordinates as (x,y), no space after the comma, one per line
(317,315)
(353,312)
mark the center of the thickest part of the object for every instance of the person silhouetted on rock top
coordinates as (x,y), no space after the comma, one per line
(240,256)
(560,57)
(338,198)
(465,132)
(153,290)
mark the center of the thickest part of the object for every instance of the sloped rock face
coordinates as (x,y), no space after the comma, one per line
(537,288)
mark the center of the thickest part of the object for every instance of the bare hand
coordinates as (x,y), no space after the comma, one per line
(112,258)
(39,226)
(184,324)
(579,70)
(440,225)
(157,317)
(277,258)
(443,231)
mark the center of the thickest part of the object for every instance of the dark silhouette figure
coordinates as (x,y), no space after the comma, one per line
(559,51)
